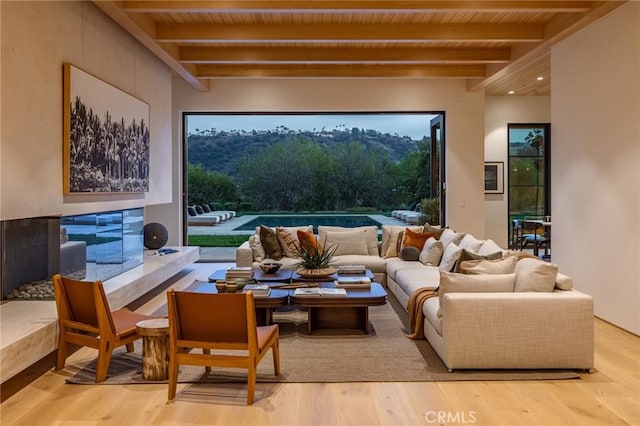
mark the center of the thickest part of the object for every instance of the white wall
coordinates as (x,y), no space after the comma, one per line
(595,111)
(464,121)
(500,111)
(37,38)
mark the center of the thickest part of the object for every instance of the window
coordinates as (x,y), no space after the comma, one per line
(529,171)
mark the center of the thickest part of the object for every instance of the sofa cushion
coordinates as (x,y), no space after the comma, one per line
(269,241)
(347,242)
(459,283)
(412,279)
(397,264)
(431,252)
(504,265)
(430,311)
(449,257)
(390,235)
(256,248)
(370,231)
(471,243)
(535,275)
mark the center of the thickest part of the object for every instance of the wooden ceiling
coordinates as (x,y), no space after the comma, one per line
(496,46)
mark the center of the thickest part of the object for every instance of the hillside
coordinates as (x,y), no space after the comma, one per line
(223,151)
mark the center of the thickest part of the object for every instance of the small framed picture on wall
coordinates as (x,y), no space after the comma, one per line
(494,177)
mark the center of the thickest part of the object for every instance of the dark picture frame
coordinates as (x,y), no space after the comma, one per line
(494,177)
(106,137)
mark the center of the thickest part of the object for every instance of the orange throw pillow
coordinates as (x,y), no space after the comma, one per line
(309,240)
(415,239)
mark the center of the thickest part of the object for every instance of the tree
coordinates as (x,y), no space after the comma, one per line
(207,187)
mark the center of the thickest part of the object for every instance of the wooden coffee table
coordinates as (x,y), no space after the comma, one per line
(341,315)
(264,305)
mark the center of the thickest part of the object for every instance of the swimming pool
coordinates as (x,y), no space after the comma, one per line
(348,221)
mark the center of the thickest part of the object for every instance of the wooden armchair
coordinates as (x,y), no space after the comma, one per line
(85,319)
(218,322)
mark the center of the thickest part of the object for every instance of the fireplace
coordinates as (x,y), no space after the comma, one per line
(30,255)
(95,246)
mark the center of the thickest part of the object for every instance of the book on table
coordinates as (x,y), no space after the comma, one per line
(258,290)
(351,269)
(353,282)
(320,291)
(239,272)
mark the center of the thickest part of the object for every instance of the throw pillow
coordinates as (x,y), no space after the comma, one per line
(370,231)
(256,248)
(269,241)
(390,235)
(436,231)
(449,236)
(469,255)
(504,265)
(471,243)
(564,282)
(348,242)
(459,283)
(414,239)
(308,239)
(535,275)
(489,247)
(431,252)
(410,253)
(287,242)
(449,257)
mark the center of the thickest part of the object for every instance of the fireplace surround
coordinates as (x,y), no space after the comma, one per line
(87,247)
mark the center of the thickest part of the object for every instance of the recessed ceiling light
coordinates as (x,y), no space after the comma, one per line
(511,92)
(540,78)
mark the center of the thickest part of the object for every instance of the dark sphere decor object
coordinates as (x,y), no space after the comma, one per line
(155,235)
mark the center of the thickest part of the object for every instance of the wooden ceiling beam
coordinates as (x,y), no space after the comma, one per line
(243,33)
(143,29)
(243,54)
(555,31)
(359,6)
(340,71)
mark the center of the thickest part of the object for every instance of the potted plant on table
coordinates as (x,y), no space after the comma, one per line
(315,259)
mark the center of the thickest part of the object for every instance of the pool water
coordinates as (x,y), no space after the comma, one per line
(348,221)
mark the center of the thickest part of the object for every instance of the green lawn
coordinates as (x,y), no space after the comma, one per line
(217,240)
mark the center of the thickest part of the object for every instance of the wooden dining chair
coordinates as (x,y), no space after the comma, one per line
(85,319)
(215,323)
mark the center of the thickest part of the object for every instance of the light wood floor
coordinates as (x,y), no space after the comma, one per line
(609,396)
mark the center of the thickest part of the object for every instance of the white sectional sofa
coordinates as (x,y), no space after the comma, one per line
(507,313)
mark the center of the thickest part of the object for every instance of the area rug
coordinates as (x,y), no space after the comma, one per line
(385,355)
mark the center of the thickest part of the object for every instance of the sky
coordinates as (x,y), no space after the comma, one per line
(416,126)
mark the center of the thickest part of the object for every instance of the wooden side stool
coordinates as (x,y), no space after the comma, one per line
(155,348)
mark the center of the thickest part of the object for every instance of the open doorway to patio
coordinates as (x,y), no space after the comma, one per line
(329,167)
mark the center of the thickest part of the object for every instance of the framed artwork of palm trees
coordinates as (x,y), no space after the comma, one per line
(106,137)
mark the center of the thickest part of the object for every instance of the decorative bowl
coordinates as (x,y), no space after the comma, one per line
(270,267)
